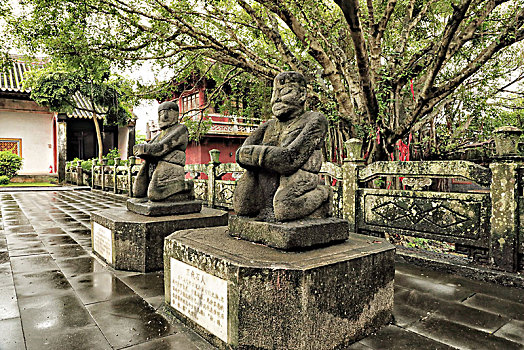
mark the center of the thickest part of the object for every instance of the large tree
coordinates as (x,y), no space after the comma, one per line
(377,68)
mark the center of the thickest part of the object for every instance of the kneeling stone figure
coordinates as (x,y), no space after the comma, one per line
(282,158)
(162,177)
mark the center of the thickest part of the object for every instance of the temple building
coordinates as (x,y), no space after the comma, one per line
(226,131)
(44,139)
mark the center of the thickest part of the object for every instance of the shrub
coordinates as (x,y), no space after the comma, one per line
(111,155)
(10,163)
(86,165)
(4,180)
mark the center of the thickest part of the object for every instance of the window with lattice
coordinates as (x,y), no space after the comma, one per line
(190,102)
(11,145)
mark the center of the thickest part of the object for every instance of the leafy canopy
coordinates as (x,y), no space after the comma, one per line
(56,85)
(361,58)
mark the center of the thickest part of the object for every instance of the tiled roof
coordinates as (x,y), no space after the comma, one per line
(84,108)
(13,79)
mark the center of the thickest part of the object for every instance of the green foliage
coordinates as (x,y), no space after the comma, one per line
(243,96)
(197,128)
(111,155)
(86,165)
(379,183)
(4,180)
(242,45)
(419,243)
(10,163)
(55,85)
(139,137)
(5,44)
(5,62)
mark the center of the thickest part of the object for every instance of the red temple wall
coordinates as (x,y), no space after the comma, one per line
(198,153)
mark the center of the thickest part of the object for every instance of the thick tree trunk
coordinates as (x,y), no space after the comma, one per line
(97,126)
(98,137)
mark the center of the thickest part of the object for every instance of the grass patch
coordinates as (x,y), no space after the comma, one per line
(28,184)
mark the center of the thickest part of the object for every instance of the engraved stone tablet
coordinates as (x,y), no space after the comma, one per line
(200,296)
(103,242)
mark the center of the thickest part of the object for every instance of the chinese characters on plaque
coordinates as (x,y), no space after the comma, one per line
(103,242)
(200,296)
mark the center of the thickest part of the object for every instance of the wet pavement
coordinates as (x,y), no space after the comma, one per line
(55,295)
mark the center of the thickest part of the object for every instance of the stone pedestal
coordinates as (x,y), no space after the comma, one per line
(134,242)
(143,206)
(293,235)
(242,295)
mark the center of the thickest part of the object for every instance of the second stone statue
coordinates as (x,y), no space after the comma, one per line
(279,200)
(160,187)
(282,159)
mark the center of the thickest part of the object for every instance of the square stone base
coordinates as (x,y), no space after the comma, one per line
(240,295)
(290,235)
(145,207)
(134,242)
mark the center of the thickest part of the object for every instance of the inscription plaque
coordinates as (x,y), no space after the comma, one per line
(200,296)
(103,242)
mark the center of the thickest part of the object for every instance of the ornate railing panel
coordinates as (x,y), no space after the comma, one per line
(200,189)
(122,179)
(224,193)
(454,217)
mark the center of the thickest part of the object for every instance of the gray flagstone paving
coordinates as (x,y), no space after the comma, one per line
(54,294)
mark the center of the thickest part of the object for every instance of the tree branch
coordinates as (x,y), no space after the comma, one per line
(350,10)
(382,25)
(452,26)
(317,52)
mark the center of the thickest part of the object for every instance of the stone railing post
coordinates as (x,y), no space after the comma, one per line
(504,217)
(350,169)
(214,155)
(93,166)
(131,163)
(79,174)
(504,199)
(66,171)
(115,184)
(103,164)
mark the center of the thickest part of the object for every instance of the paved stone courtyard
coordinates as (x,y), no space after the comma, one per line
(55,295)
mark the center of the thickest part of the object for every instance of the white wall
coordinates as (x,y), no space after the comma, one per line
(123,137)
(36,132)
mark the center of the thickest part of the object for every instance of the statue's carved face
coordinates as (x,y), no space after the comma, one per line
(167,117)
(288,99)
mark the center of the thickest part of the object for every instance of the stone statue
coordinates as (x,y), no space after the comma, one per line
(162,176)
(282,158)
